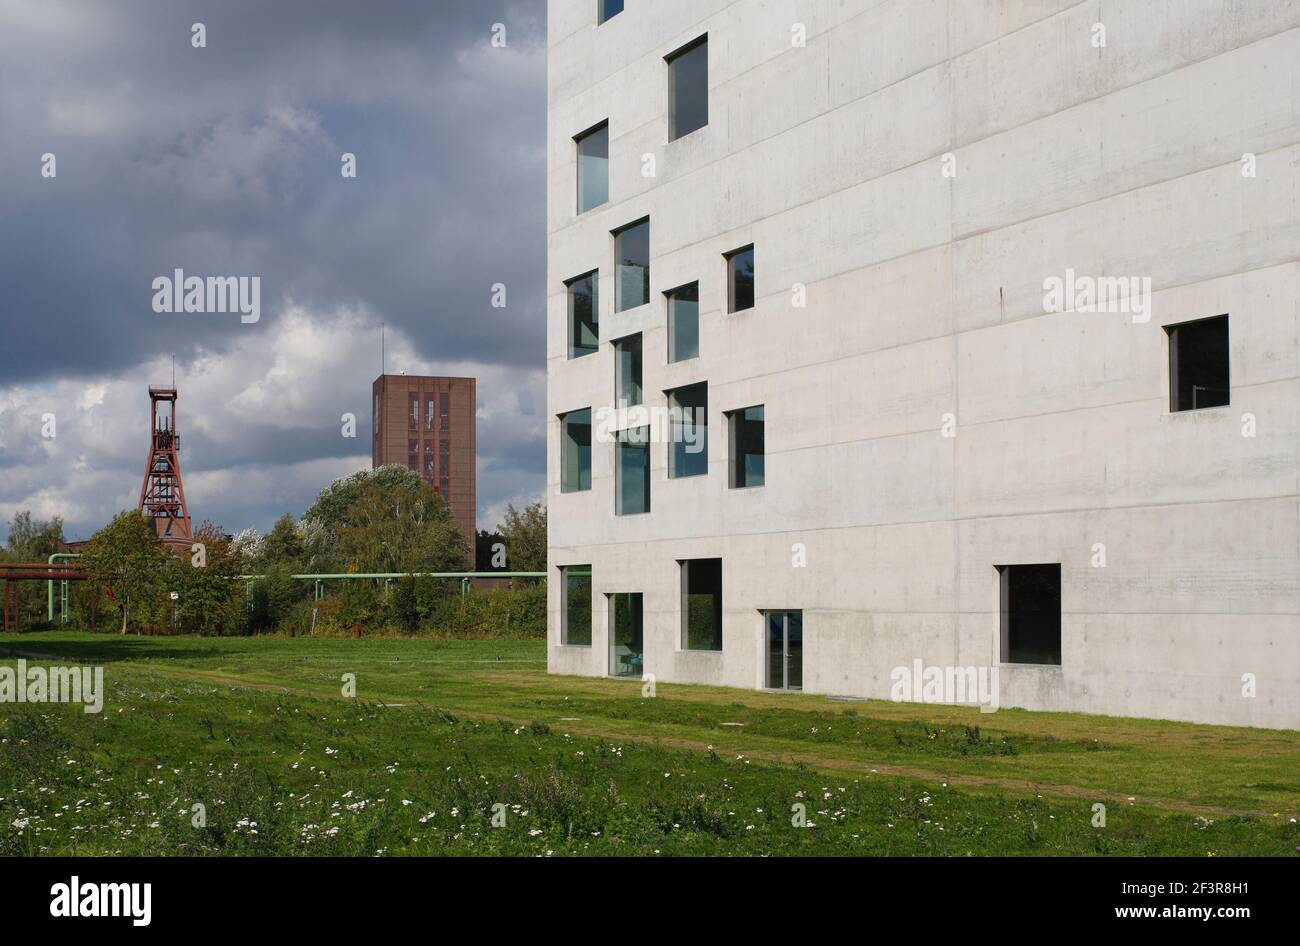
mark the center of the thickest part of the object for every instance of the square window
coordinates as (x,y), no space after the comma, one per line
(606,9)
(1031,614)
(575,451)
(701,604)
(688,88)
(1198,364)
(688,430)
(684,322)
(627,371)
(575,609)
(584,315)
(632,277)
(747,457)
(740,279)
(633,471)
(593,167)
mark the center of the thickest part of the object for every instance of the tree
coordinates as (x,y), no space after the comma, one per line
(401,528)
(283,544)
(211,597)
(329,514)
(126,556)
(525,537)
(32,540)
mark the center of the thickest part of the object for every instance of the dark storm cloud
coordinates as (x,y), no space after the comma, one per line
(225,160)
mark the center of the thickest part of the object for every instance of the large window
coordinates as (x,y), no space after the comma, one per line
(702,604)
(428,461)
(584,313)
(593,167)
(740,279)
(1031,614)
(428,412)
(632,278)
(444,411)
(606,9)
(633,471)
(575,451)
(413,455)
(413,418)
(688,430)
(688,88)
(575,609)
(627,371)
(746,438)
(683,322)
(1198,364)
(626,638)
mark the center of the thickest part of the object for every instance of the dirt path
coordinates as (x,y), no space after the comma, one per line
(1020,786)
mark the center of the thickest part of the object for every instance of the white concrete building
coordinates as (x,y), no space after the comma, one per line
(935,193)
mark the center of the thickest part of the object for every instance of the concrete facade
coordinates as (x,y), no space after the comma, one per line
(412,430)
(913,171)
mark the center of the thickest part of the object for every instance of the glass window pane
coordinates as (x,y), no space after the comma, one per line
(794,650)
(740,280)
(688,428)
(593,168)
(575,453)
(626,639)
(627,371)
(702,604)
(584,313)
(609,8)
(775,649)
(747,456)
(632,277)
(684,323)
(688,88)
(633,471)
(575,620)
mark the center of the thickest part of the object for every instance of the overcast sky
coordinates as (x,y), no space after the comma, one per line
(226,160)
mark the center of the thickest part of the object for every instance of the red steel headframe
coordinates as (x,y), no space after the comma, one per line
(162,497)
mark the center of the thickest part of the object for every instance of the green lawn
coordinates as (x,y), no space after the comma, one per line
(257,731)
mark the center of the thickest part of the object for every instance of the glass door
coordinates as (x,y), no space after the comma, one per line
(626,641)
(784,646)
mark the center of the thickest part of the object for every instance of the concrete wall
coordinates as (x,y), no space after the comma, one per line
(925,316)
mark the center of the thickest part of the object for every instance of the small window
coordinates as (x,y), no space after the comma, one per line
(584,314)
(593,167)
(746,436)
(575,609)
(575,451)
(627,371)
(740,279)
(684,322)
(688,430)
(1198,364)
(1031,614)
(606,9)
(632,278)
(688,88)
(633,471)
(702,604)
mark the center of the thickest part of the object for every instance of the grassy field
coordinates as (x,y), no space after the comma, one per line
(469,747)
